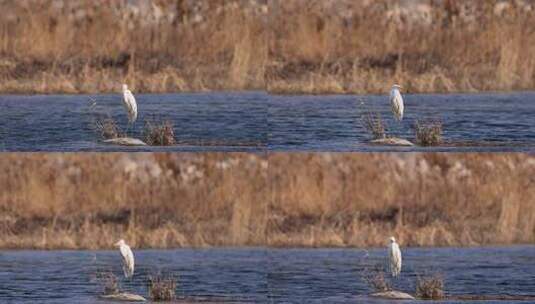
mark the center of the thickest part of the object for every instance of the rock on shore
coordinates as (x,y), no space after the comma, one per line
(125,141)
(124,297)
(392,141)
(392,295)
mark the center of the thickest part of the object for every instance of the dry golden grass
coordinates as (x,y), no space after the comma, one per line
(430,287)
(421,199)
(162,288)
(42,51)
(314,50)
(151,200)
(428,132)
(159,134)
(234,199)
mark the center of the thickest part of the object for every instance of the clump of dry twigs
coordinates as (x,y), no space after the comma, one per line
(374,124)
(107,128)
(109,282)
(162,288)
(428,132)
(376,279)
(161,134)
(430,287)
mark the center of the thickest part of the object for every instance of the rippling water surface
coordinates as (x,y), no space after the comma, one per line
(256,121)
(214,275)
(335,275)
(476,122)
(258,275)
(202,121)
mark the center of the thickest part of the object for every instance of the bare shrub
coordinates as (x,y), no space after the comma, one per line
(109,282)
(376,279)
(374,124)
(428,132)
(106,128)
(430,287)
(162,288)
(161,134)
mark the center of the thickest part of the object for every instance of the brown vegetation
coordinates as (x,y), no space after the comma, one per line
(212,199)
(162,288)
(109,282)
(94,46)
(376,279)
(107,128)
(374,124)
(430,287)
(151,200)
(428,132)
(162,134)
(325,199)
(349,46)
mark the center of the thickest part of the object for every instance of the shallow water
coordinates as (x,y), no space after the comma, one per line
(214,275)
(334,275)
(483,122)
(258,275)
(202,121)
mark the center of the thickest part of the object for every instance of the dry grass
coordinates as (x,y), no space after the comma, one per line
(376,279)
(428,132)
(107,128)
(430,199)
(430,287)
(374,124)
(162,288)
(162,134)
(231,199)
(364,46)
(77,201)
(100,44)
(109,283)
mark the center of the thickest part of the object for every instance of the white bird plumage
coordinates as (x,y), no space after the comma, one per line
(130,104)
(394,255)
(396,100)
(128,258)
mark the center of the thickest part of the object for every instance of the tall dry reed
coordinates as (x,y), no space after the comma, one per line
(328,199)
(94,46)
(221,199)
(150,200)
(427,46)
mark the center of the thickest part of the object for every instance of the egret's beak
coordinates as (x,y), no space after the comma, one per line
(117,244)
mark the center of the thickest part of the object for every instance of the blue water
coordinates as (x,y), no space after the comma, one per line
(483,122)
(256,121)
(208,276)
(202,121)
(259,275)
(335,275)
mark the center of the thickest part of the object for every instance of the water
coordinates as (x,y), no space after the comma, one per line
(258,275)
(334,275)
(256,121)
(212,275)
(202,121)
(482,122)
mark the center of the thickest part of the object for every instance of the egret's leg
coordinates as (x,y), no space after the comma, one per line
(133,129)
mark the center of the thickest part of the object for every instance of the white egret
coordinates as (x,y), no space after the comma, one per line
(128,258)
(397,102)
(129,104)
(395,257)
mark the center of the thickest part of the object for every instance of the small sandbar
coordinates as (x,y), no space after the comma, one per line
(124,297)
(393,295)
(392,141)
(125,141)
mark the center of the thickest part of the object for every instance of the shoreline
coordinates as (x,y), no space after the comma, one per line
(260,90)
